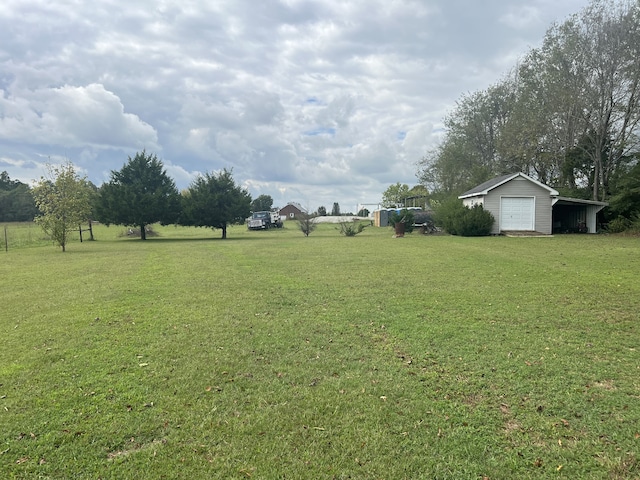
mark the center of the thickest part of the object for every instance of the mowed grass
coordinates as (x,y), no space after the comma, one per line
(272,355)
(23,234)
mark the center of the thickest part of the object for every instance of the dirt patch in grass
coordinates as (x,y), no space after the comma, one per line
(134,448)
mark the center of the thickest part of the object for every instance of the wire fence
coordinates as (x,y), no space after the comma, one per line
(22,235)
(27,234)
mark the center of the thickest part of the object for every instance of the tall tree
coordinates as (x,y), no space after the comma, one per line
(335,211)
(63,198)
(215,201)
(395,195)
(592,79)
(139,194)
(262,203)
(6,183)
(472,150)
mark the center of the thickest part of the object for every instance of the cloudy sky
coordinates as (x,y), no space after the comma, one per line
(307,101)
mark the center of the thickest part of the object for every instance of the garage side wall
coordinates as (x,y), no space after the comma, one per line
(521,187)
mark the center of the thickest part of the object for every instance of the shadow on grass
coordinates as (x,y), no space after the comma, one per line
(190,239)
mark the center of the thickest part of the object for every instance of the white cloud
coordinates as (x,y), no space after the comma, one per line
(309,101)
(521,16)
(73,117)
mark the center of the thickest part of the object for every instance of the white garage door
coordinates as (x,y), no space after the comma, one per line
(517,213)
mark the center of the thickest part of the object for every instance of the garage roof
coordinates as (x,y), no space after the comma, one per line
(484,188)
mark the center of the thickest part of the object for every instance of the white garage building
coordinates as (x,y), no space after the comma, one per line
(521,204)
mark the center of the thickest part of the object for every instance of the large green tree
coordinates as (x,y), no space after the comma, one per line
(215,201)
(588,79)
(139,194)
(262,203)
(395,195)
(63,198)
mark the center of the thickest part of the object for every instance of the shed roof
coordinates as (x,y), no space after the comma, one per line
(484,188)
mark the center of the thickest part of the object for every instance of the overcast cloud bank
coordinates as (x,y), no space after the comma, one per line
(311,102)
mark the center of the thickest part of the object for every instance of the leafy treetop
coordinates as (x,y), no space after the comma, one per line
(262,203)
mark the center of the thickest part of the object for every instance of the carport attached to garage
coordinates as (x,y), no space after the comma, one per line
(575,215)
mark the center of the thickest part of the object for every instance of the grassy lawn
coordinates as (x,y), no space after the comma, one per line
(271,355)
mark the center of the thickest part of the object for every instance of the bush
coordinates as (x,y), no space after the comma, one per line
(622,224)
(447,213)
(306,223)
(457,219)
(404,216)
(351,229)
(619,225)
(476,222)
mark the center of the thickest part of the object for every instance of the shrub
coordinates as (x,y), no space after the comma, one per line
(619,225)
(404,216)
(628,225)
(351,229)
(447,213)
(306,223)
(457,219)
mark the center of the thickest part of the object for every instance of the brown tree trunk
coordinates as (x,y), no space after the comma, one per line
(143,232)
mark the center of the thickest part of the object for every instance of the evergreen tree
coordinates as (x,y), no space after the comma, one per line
(140,194)
(214,200)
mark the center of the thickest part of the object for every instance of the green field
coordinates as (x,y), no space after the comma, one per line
(271,355)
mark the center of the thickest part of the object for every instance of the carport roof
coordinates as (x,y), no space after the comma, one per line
(577,201)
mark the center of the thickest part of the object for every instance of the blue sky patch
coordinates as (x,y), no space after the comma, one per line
(321,131)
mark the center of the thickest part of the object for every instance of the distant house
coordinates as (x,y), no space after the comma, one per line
(291,211)
(520,203)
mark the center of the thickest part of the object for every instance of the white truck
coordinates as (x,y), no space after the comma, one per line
(264,221)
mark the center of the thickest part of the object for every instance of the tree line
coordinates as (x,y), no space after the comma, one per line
(16,201)
(566,115)
(139,194)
